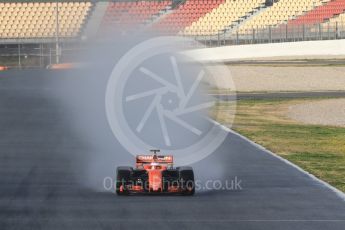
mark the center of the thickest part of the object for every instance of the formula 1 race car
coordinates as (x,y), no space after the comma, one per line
(154,174)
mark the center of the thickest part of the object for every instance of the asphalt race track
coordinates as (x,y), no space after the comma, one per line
(40,186)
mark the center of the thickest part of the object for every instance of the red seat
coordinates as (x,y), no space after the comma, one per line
(320,13)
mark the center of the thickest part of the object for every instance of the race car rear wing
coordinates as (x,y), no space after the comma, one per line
(160,159)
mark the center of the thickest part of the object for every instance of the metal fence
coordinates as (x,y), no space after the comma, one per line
(38,55)
(272,34)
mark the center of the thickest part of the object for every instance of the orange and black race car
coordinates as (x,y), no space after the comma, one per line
(155,174)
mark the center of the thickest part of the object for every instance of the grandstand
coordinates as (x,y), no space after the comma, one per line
(321,13)
(44,24)
(40,19)
(185,14)
(280,13)
(222,17)
(124,16)
(21,20)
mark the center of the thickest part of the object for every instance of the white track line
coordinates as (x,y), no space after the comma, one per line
(339,193)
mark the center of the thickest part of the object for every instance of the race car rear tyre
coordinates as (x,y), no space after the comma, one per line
(123,177)
(187,180)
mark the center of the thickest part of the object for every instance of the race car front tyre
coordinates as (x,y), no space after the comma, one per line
(187,182)
(123,175)
(170,178)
